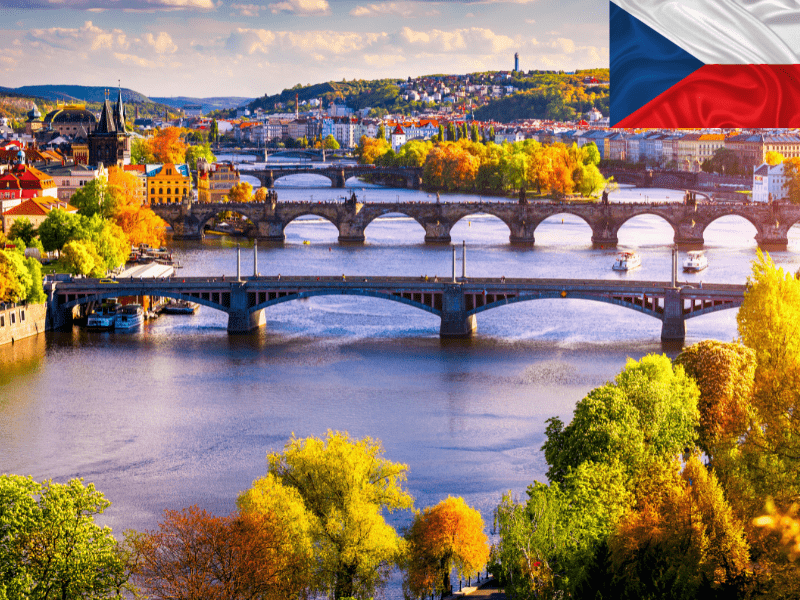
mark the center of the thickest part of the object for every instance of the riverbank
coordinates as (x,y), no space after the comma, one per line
(19,321)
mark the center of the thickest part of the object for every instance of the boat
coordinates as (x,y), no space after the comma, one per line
(180,307)
(627,261)
(129,317)
(104,317)
(307,242)
(695,261)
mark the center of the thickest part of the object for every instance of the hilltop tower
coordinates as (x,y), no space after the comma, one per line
(516,61)
(110,142)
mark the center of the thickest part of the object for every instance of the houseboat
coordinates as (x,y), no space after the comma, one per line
(104,317)
(695,261)
(627,261)
(129,316)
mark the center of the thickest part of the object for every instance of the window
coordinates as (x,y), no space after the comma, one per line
(169,191)
(13,318)
(2,320)
(22,315)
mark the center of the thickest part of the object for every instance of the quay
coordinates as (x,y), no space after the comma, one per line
(456,301)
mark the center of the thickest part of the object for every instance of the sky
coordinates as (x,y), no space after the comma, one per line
(207,48)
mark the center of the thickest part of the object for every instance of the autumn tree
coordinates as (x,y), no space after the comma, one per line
(194,554)
(682,540)
(261,194)
(345,485)
(442,538)
(167,146)
(139,223)
(773,158)
(241,192)
(369,150)
(791,169)
(51,545)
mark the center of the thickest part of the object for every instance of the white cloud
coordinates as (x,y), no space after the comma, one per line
(302,7)
(383,60)
(247,10)
(475,40)
(398,9)
(131,59)
(330,42)
(250,41)
(88,37)
(125,5)
(161,43)
(566,45)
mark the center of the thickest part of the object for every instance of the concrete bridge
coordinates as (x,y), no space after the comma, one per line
(338,173)
(772,222)
(456,302)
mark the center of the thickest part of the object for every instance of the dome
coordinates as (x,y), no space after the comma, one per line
(68,115)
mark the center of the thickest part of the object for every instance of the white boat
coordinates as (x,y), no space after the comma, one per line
(105,316)
(129,317)
(180,307)
(627,261)
(695,261)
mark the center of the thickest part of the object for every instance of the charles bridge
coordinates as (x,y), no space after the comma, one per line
(269,219)
(455,301)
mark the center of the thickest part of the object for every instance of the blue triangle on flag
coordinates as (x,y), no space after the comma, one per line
(643,63)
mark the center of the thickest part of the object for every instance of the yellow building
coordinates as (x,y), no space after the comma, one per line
(215,180)
(168,184)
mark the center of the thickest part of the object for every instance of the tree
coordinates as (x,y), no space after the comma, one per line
(57,229)
(791,169)
(261,194)
(96,197)
(139,223)
(330,143)
(141,152)
(80,257)
(648,413)
(682,540)
(167,146)
(22,229)
(345,484)
(370,150)
(241,192)
(442,538)
(52,548)
(213,132)
(194,554)
(773,158)
(200,151)
(381,135)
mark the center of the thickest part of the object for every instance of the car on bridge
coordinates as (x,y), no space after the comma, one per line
(108,280)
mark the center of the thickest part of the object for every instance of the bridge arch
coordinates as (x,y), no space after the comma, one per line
(280,174)
(346,292)
(373,218)
(204,219)
(627,218)
(482,210)
(736,215)
(120,291)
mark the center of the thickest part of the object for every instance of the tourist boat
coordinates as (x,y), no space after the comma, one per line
(129,317)
(180,307)
(695,261)
(627,261)
(104,317)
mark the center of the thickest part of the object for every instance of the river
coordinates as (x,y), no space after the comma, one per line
(181,413)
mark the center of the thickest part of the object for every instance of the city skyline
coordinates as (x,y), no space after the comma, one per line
(208,48)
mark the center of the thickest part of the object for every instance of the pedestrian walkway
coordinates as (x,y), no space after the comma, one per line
(488,589)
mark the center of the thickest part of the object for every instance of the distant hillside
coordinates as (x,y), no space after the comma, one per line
(208,104)
(76,93)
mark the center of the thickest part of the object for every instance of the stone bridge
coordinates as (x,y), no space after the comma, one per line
(338,174)
(772,222)
(456,302)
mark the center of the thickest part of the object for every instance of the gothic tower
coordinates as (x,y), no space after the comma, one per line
(110,142)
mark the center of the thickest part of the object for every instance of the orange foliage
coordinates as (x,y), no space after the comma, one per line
(446,536)
(140,223)
(450,166)
(194,554)
(167,146)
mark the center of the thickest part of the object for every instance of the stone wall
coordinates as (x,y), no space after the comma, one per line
(21,321)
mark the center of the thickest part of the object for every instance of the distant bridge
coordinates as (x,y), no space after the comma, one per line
(456,302)
(772,221)
(337,173)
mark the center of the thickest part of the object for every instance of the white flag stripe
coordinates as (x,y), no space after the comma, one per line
(726,31)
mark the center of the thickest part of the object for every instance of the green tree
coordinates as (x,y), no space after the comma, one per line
(96,197)
(330,143)
(80,257)
(195,153)
(442,538)
(345,485)
(22,229)
(141,153)
(51,546)
(381,132)
(213,132)
(58,228)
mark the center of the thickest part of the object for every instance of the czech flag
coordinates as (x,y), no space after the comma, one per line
(705,63)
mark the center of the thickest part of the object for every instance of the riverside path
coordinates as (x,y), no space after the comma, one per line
(456,302)
(268,220)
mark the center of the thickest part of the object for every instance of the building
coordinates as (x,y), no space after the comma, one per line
(516,62)
(110,142)
(71,179)
(168,183)
(70,119)
(35,210)
(215,180)
(192,110)
(769,183)
(140,172)
(398,138)
(31,181)
(33,123)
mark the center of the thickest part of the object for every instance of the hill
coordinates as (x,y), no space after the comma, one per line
(208,104)
(76,93)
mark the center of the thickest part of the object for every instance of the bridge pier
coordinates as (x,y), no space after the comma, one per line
(673,327)
(689,234)
(350,233)
(57,317)
(773,237)
(437,233)
(604,237)
(456,322)
(240,318)
(271,231)
(522,233)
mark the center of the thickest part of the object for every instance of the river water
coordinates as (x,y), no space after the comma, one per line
(181,413)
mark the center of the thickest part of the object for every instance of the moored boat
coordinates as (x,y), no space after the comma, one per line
(129,317)
(180,307)
(695,261)
(104,317)
(627,261)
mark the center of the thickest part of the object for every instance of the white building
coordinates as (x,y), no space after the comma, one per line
(398,138)
(768,183)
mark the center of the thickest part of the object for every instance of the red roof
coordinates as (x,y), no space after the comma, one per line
(39,206)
